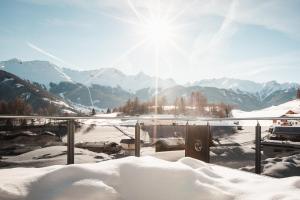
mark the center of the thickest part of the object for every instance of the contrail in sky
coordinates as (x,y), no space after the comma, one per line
(38,49)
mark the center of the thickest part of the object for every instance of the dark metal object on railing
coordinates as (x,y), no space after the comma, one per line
(197,142)
(258,149)
(70,149)
(137,140)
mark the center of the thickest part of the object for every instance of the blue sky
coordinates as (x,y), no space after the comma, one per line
(246,39)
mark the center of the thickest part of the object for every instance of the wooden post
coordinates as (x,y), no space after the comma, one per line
(70,150)
(258,149)
(137,140)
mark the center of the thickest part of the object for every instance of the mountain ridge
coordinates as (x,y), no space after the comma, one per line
(114,77)
(111,87)
(36,70)
(13,87)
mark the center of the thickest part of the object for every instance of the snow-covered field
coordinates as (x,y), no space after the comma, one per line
(144,178)
(273,111)
(54,155)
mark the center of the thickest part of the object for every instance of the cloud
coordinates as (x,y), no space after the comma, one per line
(206,49)
(273,14)
(38,49)
(247,69)
(277,15)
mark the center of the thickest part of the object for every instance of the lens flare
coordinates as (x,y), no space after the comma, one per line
(158,30)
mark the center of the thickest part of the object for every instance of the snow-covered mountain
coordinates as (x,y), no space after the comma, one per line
(230,83)
(92,96)
(42,72)
(45,72)
(113,78)
(262,90)
(244,94)
(12,87)
(270,87)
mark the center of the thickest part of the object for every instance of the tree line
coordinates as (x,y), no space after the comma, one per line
(20,107)
(195,104)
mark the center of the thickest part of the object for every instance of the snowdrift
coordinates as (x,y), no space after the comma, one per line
(144,178)
(282,166)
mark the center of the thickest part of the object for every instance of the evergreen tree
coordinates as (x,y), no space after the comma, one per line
(93,111)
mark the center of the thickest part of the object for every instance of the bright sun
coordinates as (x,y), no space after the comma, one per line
(157,30)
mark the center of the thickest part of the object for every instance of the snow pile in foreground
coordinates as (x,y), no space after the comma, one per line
(144,178)
(282,167)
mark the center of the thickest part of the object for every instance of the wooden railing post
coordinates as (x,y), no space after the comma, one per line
(258,149)
(137,140)
(70,149)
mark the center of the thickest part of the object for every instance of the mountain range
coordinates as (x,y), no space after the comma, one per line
(262,90)
(12,87)
(36,71)
(109,87)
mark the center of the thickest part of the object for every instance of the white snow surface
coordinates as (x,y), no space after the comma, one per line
(18,85)
(57,102)
(282,166)
(7,79)
(144,178)
(273,111)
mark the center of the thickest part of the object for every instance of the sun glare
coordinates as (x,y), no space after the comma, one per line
(157,30)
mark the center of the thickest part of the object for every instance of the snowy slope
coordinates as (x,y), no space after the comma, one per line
(273,111)
(12,87)
(42,72)
(144,178)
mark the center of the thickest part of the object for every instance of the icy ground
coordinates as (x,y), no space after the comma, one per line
(144,178)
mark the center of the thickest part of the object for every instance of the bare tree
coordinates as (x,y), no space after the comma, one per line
(198,100)
(298,93)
